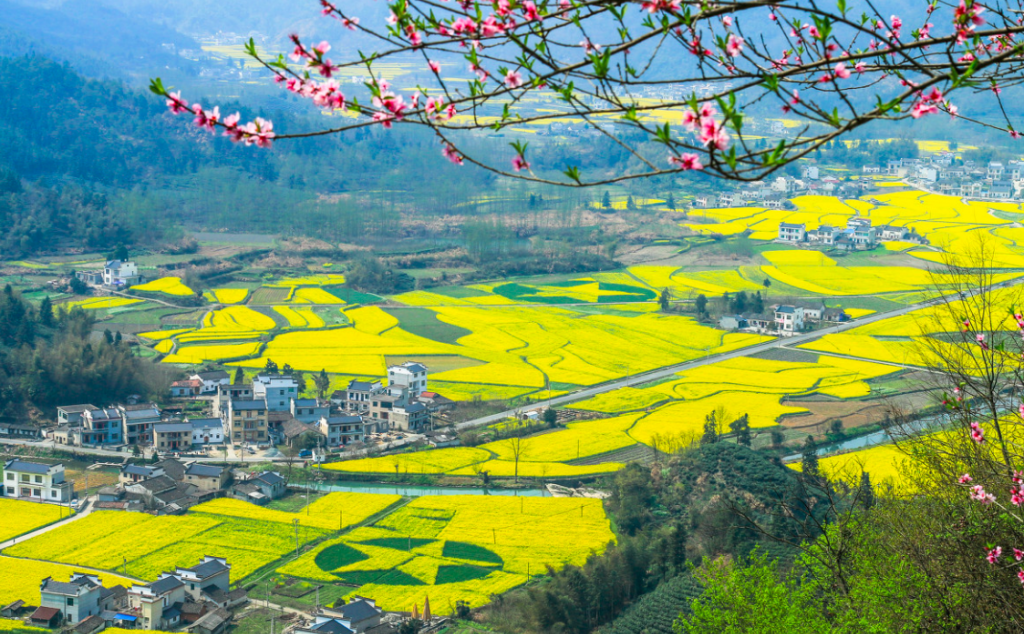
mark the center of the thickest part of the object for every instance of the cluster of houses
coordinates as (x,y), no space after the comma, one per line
(198,599)
(783,320)
(114,274)
(858,234)
(775,194)
(994,181)
(267,411)
(166,487)
(936,173)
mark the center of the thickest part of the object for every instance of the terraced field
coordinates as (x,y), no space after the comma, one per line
(452,548)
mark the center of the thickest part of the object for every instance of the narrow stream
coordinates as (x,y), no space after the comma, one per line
(416,491)
(867,440)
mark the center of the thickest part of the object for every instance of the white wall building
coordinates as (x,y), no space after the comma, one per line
(36,481)
(410,375)
(789,319)
(120,273)
(278,390)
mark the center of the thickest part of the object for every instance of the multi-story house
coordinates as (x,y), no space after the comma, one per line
(101,426)
(211,381)
(72,414)
(410,375)
(137,423)
(358,396)
(342,430)
(206,477)
(792,232)
(120,273)
(411,417)
(789,319)
(226,393)
(158,605)
(36,481)
(247,422)
(172,436)
(132,473)
(211,573)
(825,234)
(207,431)
(308,410)
(277,390)
(77,599)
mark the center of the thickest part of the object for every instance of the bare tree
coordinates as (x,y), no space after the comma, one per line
(829,69)
(515,445)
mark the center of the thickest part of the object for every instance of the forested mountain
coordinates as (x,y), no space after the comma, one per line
(669,515)
(48,359)
(100,40)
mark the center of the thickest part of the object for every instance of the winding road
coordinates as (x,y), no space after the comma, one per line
(668,371)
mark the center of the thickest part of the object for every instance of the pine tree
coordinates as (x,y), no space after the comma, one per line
(117,338)
(630,204)
(701,305)
(710,435)
(606,201)
(239,376)
(664,300)
(671,202)
(810,457)
(866,494)
(323,383)
(46,312)
(741,428)
(271,367)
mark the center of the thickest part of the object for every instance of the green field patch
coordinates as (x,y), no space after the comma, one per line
(381,577)
(351,296)
(464,550)
(436,363)
(455,574)
(424,322)
(264,295)
(399,543)
(338,556)
(459,292)
(576,291)
(190,318)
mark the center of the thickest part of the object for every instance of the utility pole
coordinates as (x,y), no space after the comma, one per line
(296,522)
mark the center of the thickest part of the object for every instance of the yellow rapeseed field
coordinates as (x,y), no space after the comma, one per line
(578,440)
(11,626)
(158,335)
(168,285)
(20,578)
(798,258)
(328,512)
(202,354)
(229,295)
(98,302)
(883,463)
(235,318)
(623,399)
(460,547)
(321,279)
(507,469)
(18,517)
(431,461)
(314,296)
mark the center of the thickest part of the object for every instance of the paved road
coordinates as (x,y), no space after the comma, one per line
(714,358)
(86,510)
